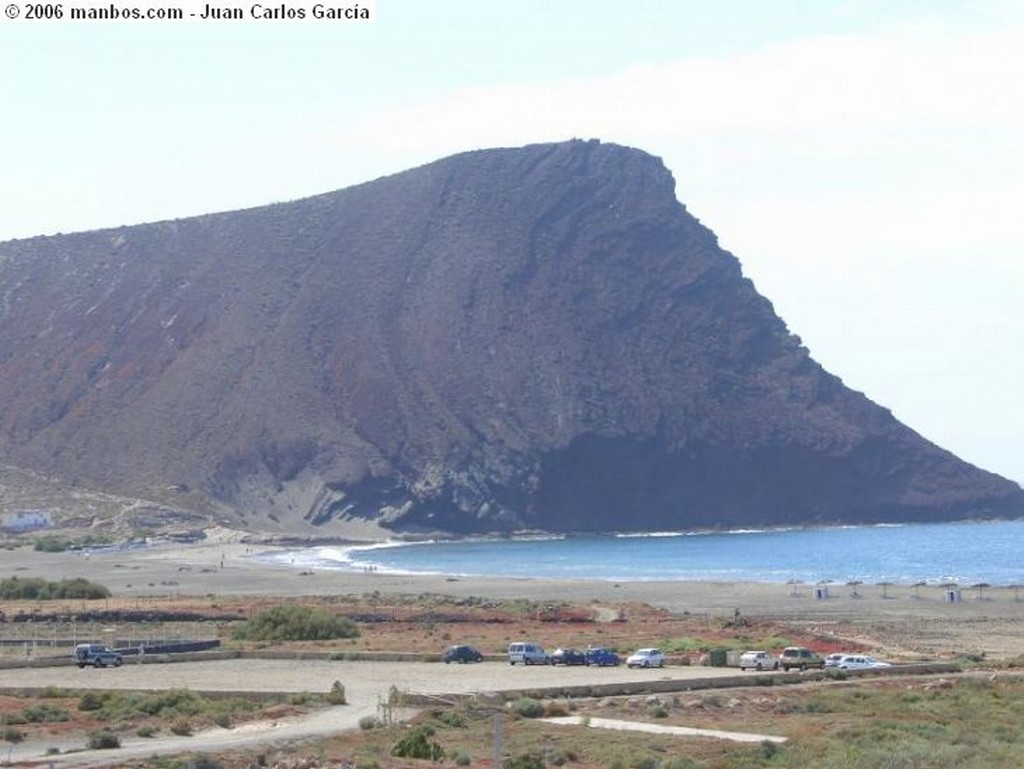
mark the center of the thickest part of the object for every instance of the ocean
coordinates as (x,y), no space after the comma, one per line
(965,553)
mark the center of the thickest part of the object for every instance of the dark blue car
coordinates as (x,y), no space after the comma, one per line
(461,653)
(602,657)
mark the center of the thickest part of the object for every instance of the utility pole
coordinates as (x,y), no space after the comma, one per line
(497,741)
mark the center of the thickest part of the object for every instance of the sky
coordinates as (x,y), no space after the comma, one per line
(863,160)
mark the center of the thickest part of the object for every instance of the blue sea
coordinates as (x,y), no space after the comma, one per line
(965,553)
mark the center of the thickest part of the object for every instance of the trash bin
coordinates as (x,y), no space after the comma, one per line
(717,658)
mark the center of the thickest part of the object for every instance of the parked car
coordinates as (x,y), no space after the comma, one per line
(860,662)
(598,655)
(527,653)
(97,655)
(461,653)
(758,660)
(568,656)
(800,657)
(646,658)
(832,660)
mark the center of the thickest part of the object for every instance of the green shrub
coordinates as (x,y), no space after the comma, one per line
(36,588)
(223,720)
(45,713)
(180,702)
(528,707)
(659,711)
(769,749)
(556,757)
(181,727)
(367,723)
(529,760)
(146,731)
(290,622)
(416,744)
(50,543)
(90,701)
(103,740)
(11,734)
(336,696)
(454,719)
(680,762)
(463,759)
(555,710)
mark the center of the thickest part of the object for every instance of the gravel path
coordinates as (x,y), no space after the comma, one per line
(677,731)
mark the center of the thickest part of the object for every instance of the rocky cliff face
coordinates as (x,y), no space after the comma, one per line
(536,338)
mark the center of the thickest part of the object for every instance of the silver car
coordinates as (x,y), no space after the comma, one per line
(646,658)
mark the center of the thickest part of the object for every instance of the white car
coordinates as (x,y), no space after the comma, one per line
(527,653)
(758,660)
(860,662)
(646,658)
(832,660)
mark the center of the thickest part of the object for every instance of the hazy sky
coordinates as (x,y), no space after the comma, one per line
(863,160)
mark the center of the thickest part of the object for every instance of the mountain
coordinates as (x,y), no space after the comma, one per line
(539,338)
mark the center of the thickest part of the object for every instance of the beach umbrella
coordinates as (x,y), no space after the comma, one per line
(885,585)
(980,587)
(917,586)
(1016,591)
(793,583)
(854,583)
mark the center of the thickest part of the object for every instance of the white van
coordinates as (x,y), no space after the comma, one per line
(527,653)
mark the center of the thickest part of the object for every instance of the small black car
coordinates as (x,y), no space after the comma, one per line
(461,653)
(568,657)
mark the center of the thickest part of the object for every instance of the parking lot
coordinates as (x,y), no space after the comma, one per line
(364,681)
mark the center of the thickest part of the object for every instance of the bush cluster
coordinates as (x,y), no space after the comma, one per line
(55,543)
(528,707)
(103,740)
(171,706)
(295,623)
(417,744)
(36,588)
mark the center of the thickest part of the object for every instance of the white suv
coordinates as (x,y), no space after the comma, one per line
(758,660)
(527,653)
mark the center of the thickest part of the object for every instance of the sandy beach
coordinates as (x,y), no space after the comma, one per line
(989,622)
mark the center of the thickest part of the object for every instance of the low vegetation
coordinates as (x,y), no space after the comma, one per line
(55,543)
(695,644)
(295,623)
(931,723)
(38,589)
(173,707)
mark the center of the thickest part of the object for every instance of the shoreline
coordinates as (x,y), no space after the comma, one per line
(233,566)
(782,562)
(897,614)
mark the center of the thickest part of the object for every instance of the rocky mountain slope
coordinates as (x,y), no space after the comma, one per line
(535,338)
